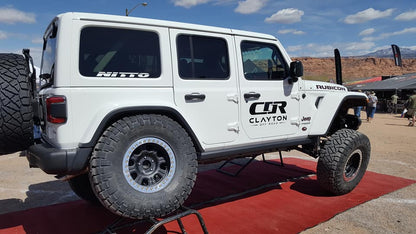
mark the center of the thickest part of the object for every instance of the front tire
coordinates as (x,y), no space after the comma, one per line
(143,166)
(343,161)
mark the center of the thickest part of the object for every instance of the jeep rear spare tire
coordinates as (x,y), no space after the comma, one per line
(143,166)
(343,161)
(16,116)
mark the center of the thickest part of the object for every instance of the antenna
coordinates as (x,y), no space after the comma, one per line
(132,9)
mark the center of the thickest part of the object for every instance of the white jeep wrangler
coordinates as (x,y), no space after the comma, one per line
(128,107)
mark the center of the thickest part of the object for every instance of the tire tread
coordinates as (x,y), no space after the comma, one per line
(99,175)
(16,115)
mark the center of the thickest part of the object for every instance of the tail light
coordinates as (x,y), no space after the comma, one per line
(56,109)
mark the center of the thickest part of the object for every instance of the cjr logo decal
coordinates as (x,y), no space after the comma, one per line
(263,108)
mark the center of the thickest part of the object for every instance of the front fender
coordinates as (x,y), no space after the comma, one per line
(331,106)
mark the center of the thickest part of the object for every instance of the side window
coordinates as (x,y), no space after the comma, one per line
(201,57)
(262,61)
(112,52)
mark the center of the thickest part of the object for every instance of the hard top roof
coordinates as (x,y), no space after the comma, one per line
(161,23)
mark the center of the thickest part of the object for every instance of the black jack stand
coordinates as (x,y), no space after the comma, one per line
(245,164)
(118,224)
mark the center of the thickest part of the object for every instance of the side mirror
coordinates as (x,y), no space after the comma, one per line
(296,71)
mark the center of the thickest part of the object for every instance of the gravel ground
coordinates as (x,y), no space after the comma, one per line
(393,153)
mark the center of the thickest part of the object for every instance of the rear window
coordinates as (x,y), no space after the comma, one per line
(119,53)
(204,58)
(47,69)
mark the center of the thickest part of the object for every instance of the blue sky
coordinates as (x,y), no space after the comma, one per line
(305,27)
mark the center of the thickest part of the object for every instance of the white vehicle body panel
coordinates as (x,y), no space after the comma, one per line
(221,121)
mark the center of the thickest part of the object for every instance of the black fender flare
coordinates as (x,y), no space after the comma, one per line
(347,102)
(127,111)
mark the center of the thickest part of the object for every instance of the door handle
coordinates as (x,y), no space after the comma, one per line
(195,97)
(251,96)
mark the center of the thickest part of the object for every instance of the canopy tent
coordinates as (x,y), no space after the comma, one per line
(359,82)
(404,82)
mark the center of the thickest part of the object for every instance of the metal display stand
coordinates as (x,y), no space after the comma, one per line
(245,164)
(185,211)
(118,224)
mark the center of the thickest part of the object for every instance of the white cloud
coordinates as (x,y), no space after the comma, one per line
(286,16)
(10,15)
(407,16)
(189,3)
(37,40)
(358,46)
(250,6)
(367,15)
(325,50)
(291,31)
(3,35)
(386,35)
(294,48)
(404,31)
(367,32)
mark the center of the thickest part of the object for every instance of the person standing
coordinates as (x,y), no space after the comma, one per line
(394,98)
(411,110)
(371,106)
(357,109)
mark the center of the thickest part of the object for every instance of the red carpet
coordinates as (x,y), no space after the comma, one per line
(257,201)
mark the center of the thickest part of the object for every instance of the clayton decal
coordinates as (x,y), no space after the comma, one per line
(275,113)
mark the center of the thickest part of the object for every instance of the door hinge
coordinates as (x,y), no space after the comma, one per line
(295,121)
(232,98)
(295,96)
(234,127)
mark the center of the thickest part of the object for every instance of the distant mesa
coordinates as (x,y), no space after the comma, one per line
(388,53)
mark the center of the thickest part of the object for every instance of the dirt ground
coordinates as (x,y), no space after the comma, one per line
(393,153)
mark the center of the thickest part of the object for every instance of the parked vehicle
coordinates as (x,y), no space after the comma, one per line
(128,107)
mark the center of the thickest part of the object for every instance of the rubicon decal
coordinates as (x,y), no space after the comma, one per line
(275,113)
(123,74)
(331,87)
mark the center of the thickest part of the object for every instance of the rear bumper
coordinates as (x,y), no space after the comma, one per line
(58,161)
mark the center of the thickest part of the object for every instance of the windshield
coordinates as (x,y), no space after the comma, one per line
(48,56)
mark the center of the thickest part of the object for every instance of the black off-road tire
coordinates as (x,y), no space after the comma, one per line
(82,188)
(143,166)
(16,115)
(343,161)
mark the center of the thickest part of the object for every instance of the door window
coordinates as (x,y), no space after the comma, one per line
(262,61)
(201,57)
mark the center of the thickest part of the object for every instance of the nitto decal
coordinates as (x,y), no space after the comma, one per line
(123,74)
(275,113)
(330,87)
